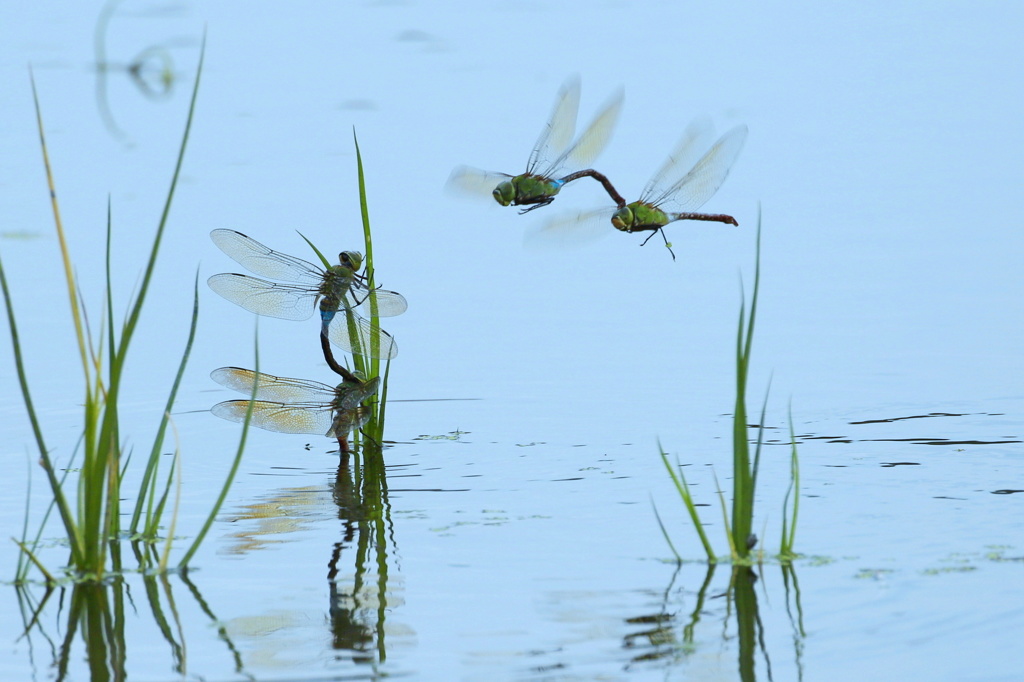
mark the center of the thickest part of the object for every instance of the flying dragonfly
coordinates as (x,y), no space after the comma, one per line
(683,183)
(296,405)
(339,288)
(554,162)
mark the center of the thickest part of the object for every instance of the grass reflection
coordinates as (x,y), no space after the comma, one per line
(676,636)
(100,617)
(359,610)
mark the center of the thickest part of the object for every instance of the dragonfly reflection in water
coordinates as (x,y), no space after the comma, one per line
(684,183)
(295,405)
(339,288)
(554,162)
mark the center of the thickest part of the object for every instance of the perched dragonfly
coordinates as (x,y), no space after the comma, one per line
(295,405)
(684,183)
(554,162)
(339,288)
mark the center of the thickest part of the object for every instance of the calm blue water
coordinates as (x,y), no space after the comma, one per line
(884,153)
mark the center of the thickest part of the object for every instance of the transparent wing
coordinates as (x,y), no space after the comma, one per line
(272,388)
(257,258)
(473,181)
(347,421)
(700,184)
(373,341)
(281,300)
(559,129)
(589,144)
(389,303)
(350,395)
(698,137)
(280,417)
(570,230)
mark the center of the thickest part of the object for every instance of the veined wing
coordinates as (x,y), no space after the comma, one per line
(695,140)
(348,420)
(266,262)
(272,388)
(389,303)
(559,129)
(314,418)
(589,144)
(469,180)
(350,395)
(694,189)
(373,341)
(274,299)
(570,230)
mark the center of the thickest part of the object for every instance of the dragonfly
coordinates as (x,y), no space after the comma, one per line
(295,405)
(554,162)
(339,288)
(684,182)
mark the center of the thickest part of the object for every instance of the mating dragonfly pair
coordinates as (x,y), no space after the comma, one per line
(685,181)
(339,291)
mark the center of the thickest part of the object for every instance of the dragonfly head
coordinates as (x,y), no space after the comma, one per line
(623,219)
(504,193)
(353,260)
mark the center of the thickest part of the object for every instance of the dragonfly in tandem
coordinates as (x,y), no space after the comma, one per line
(295,405)
(554,162)
(338,288)
(684,182)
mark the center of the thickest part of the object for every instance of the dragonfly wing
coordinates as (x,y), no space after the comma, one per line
(280,417)
(346,421)
(473,181)
(281,300)
(570,230)
(351,395)
(272,388)
(263,261)
(697,138)
(389,303)
(371,341)
(700,184)
(559,129)
(591,141)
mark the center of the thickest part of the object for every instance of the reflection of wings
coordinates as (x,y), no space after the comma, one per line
(373,341)
(702,181)
(281,300)
(559,129)
(272,388)
(315,418)
(257,258)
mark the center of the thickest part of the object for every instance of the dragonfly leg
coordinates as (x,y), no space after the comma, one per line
(535,205)
(667,245)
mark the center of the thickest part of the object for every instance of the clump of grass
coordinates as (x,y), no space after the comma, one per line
(92,520)
(745,464)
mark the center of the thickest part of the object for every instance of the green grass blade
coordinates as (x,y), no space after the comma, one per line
(691,508)
(664,533)
(146,487)
(234,464)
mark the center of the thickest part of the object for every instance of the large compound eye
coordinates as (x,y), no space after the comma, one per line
(353,260)
(623,219)
(504,193)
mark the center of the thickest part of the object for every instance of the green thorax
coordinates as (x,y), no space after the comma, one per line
(639,216)
(525,189)
(338,278)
